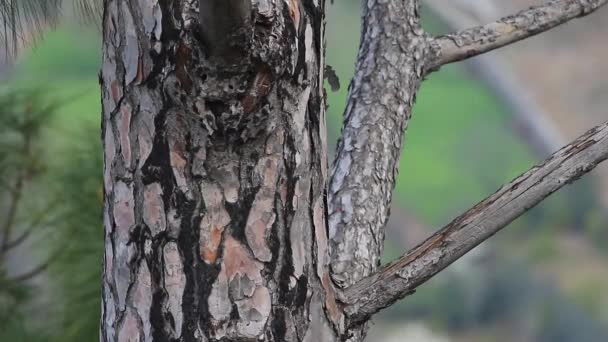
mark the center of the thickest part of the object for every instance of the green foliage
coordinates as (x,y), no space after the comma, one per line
(14,328)
(12,296)
(543,247)
(24,114)
(587,296)
(13,320)
(67,53)
(24,18)
(75,183)
(595,228)
(564,321)
(76,174)
(73,173)
(78,270)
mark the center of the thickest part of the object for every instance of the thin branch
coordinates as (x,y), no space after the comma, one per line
(38,269)
(22,20)
(529,120)
(532,123)
(35,224)
(4,184)
(19,240)
(401,277)
(7,226)
(15,198)
(478,40)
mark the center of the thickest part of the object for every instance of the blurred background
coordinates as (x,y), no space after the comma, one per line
(475,126)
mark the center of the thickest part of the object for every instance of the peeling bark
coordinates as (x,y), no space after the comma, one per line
(215,172)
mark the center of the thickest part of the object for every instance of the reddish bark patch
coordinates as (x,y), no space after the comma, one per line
(260,88)
(294,13)
(177,148)
(184,57)
(238,261)
(116,91)
(213,223)
(261,216)
(209,251)
(140,71)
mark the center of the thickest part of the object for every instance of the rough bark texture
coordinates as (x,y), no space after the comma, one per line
(215,169)
(394,56)
(389,70)
(401,277)
(475,41)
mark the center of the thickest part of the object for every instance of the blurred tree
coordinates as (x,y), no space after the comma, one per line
(22,20)
(78,269)
(24,219)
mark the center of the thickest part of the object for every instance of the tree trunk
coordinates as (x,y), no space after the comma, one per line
(215,172)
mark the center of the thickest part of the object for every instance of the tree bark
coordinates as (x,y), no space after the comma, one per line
(215,168)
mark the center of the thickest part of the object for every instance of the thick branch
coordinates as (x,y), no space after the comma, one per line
(401,277)
(478,40)
(389,71)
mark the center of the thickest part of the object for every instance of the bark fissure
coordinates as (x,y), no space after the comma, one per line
(389,71)
(208,176)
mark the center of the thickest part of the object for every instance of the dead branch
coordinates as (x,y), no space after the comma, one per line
(481,39)
(401,277)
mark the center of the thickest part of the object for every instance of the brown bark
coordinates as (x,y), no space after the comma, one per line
(215,169)
(215,166)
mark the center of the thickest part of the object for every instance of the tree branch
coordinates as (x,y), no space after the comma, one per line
(532,123)
(478,40)
(33,226)
(401,277)
(15,197)
(7,227)
(40,268)
(381,95)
